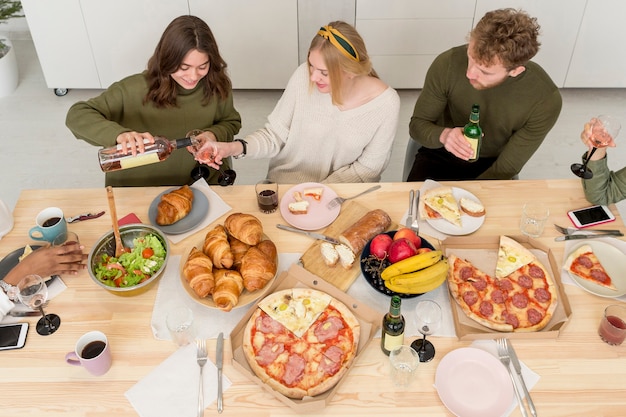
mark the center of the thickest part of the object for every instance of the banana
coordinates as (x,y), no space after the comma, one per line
(414,263)
(420,281)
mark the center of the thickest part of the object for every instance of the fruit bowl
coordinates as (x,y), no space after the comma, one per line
(105,245)
(370,266)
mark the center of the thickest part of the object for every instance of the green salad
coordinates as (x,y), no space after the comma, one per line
(134,265)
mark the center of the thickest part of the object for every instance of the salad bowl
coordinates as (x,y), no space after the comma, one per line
(132,237)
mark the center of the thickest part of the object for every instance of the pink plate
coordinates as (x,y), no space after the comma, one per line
(318,216)
(473,383)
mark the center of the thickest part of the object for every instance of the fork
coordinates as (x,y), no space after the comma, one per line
(503,354)
(337,201)
(415,225)
(608,232)
(202,358)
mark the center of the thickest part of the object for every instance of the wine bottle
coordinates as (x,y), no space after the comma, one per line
(114,158)
(393,327)
(473,133)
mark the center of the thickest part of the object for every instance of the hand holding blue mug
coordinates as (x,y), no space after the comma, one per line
(50,224)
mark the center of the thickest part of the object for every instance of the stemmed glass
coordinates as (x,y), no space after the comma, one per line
(225,178)
(33,292)
(604,129)
(428,317)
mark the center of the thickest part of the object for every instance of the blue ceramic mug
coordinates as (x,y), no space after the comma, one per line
(50,224)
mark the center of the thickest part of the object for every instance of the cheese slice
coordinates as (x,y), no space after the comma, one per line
(511,257)
(442,201)
(296,308)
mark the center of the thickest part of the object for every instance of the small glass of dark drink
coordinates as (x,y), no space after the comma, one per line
(267,195)
(613,325)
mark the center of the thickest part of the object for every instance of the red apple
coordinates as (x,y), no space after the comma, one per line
(401,249)
(406,233)
(380,246)
(423,250)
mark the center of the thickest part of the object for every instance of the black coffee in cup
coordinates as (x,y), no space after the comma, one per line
(93,349)
(51,221)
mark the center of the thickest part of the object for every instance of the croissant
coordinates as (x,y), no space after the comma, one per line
(174,206)
(244,227)
(259,265)
(239,249)
(228,288)
(217,248)
(198,271)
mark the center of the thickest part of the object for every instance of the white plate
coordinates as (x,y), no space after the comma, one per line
(473,383)
(614,261)
(469,223)
(318,216)
(199,210)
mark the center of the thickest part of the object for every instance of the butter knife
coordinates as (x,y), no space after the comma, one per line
(409,219)
(584,236)
(219,363)
(314,235)
(518,370)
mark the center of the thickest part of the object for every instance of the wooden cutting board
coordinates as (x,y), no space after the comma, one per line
(312,259)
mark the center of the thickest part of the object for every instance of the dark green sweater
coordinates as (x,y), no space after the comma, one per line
(120,108)
(606,186)
(515,116)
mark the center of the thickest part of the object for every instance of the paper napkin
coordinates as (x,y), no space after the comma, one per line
(171,389)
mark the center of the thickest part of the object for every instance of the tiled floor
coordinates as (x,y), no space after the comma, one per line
(38,151)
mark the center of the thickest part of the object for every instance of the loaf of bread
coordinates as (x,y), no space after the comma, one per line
(364,229)
(228,288)
(174,206)
(259,265)
(198,271)
(244,227)
(217,248)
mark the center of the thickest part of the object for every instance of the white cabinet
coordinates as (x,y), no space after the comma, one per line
(124,33)
(62,43)
(559,21)
(257,39)
(599,59)
(403,37)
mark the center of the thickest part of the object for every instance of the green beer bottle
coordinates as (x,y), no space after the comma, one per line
(473,133)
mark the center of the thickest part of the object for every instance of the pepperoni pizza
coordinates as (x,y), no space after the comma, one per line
(301,341)
(585,264)
(522,301)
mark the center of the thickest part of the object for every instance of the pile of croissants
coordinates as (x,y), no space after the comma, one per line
(234,256)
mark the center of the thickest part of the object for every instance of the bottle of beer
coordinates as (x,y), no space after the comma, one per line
(473,133)
(393,327)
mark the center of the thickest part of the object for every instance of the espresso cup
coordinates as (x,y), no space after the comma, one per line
(92,352)
(50,224)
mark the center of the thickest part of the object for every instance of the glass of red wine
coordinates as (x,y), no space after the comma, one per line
(33,292)
(604,130)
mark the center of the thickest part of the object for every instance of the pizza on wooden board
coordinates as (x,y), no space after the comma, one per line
(301,341)
(585,264)
(523,300)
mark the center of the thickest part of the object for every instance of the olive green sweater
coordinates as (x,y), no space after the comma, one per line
(606,187)
(515,116)
(120,108)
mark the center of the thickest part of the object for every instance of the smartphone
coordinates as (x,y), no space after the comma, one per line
(590,216)
(13,336)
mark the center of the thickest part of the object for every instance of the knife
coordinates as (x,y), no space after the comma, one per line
(518,370)
(219,363)
(314,235)
(409,219)
(24,313)
(583,236)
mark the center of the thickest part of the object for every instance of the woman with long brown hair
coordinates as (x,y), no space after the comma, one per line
(185,87)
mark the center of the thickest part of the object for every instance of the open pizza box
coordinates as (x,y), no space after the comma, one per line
(298,277)
(483,253)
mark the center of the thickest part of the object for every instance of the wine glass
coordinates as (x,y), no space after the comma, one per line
(33,292)
(428,318)
(604,130)
(225,178)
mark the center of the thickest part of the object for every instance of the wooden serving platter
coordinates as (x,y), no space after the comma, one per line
(312,260)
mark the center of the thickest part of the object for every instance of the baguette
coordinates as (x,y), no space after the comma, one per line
(372,223)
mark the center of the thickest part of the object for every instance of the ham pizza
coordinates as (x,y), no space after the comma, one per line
(301,341)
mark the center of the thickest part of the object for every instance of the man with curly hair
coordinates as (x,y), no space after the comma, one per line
(519,103)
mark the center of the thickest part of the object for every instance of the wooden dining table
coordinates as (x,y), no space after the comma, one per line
(579,374)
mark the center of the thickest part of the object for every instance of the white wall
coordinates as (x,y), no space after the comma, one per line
(16,28)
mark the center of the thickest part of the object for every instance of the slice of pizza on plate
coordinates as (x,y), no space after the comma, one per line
(511,256)
(440,203)
(584,264)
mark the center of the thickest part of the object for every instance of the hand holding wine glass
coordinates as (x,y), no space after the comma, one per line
(33,292)
(599,133)
(428,318)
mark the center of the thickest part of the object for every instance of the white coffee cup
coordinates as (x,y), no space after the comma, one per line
(92,352)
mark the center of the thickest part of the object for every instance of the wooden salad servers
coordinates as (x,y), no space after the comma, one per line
(119,246)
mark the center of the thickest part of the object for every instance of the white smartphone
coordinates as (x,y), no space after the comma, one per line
(590,216)
(13,336)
